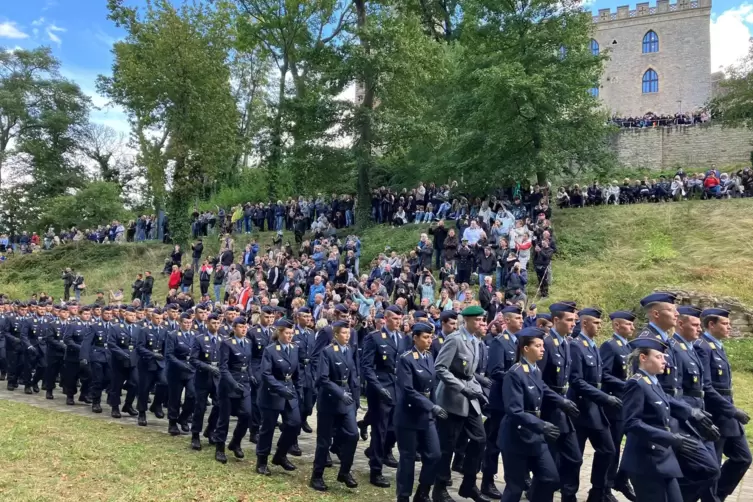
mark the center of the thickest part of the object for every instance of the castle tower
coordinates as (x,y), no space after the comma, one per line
(660,57)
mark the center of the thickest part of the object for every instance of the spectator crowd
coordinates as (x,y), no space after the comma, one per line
(653,120)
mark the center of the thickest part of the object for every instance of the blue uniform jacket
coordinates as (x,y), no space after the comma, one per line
(73,338)
(415,391)
(647,410)
(304,340)
(235,368)
(122,344)
(614,372)
(259,339)
(151,341)
(336,375)
(668,380)
(585,384)
(555,372)
(502,353)
(34,332)
(177,353)
(55,337)
(717,374)
(522,428)
(204,356)
(279,371)
(323,339)
(379,363)
(94,347)
(437,343)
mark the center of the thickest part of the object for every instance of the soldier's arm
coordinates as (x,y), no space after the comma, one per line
(69,341)
(141,348)
(112,344)
(224,361)
(267,377)
(607,366)
(633,405)
(405,381)
(367,362)
(578,382)
(86,344)
(715,402)
(444,361)
(513,395)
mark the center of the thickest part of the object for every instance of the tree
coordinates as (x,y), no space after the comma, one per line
(172,77)
(96,203)
(734,103)
(101,144)
(17,209)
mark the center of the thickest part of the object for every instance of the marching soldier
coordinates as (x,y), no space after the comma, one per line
(279,389)
(415,414)
(258,337)
(614,373)
(205,358)
(379,359)
(179,376)
(234,392)
(718,372)
(4,326)
(337,384)
(585,391)
(55,343)
(449,324)
(95,358)
(200,323)
(303,337)
(121,341)
(226,328)
(34,340)
(150,347)
(73,372)
(502,356)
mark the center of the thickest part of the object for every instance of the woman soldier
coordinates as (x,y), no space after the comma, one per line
(523,434)
(278,394)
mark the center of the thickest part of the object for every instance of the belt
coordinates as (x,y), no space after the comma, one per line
(674,392)
(724,392)
(288,378)
(536,413)
(305,362)
(693,393)
(427,393)
(244,368)
(560,390)
(214,364)
(156,351)
(342,383)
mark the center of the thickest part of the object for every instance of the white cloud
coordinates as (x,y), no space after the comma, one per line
(730,36)
(51,30)
(9,29)
(38,22)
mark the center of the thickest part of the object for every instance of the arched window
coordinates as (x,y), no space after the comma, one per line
(594,91)
(594,47)
(650,42)
(650,81)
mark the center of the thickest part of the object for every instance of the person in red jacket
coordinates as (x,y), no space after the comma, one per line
(175,277)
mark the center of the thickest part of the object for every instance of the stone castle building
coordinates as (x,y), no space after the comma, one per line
(659,57)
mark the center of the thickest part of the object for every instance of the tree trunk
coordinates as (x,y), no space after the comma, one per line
(363,117)
(275,156)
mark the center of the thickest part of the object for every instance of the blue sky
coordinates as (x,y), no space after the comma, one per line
(81,37)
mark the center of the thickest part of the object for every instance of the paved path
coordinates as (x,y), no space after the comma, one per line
(307,442)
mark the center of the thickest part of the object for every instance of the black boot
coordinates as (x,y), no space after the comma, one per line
(261,465)
(207,434)
(35,388)
(328,462)
(595,495)
(69,401)
(184,427)
(295,450)
(142,419)
(27,389)
(378,480)
(10,387)
(457,463)
(44,386)
(347,479)
(623,486)
(253,435)
(219,453)
(305,427)
(364,429)
(157,410)
(129,409)
(195,441)
(390,461)
(96,408)
(422,493)
(282,461)
(236,449)
(317,483)
(3,376)
(115,413)
(49,395)
(469,491)
(84,399)
(439,493)
(489,489)
(172,428)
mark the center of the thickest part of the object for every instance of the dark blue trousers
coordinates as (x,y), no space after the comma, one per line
(382,432)
(615,477)
(651,489)
(147,379)
(489,466)
(733,469)
(604,454)
(123,376)
(545,477)
(410,442)
(176,384)
(291,426)
(567,457)
(200,408)
(237,406)
(344,426)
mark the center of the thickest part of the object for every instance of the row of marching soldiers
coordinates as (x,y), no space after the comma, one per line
(535,393)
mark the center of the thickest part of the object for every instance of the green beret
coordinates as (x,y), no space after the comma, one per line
(472,311)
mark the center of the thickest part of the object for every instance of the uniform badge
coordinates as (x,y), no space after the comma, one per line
(234,342)
(683,347)
(279,348)
(465,363)
(180,334)
(384,335)
(558,369)
(669,371)
(556,342)
(721,372)
(695,379)
(713,347)
(336,348)
(415,356)
(441,341)
(384,357)
(585,343)
(647,380)
(525,368)
(206,338)
(507,337)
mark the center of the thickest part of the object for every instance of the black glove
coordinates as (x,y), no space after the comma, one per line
(215,370)
(711,433)
(289,395)
(482,399)
(551,431)
(485,382)
(386,396)
(685,444)
(570,408)
(159,357)
(741,416)
(469,393)
(254,381)
(32,349)
(439,412)
(614,402)
(84,363)
(240,388)
(347,399)
(703,418)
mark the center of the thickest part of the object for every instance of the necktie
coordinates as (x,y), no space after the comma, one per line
(287,350)
(214,340)
(241,343)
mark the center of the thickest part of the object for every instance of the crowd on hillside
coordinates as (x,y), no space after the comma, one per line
(654,120)
(709,185)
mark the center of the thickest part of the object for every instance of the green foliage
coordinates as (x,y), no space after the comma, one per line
(97,203)
(733,105)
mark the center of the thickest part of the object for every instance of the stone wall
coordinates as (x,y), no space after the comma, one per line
(697,146)
(741,317)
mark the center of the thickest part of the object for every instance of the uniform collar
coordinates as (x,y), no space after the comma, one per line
(711,338)
(559,337)
(654,380)
(531,366)
(513,336)
(587,339)
(661,332)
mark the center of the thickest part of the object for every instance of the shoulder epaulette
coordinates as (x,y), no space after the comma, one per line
(635,376)
(514,366)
